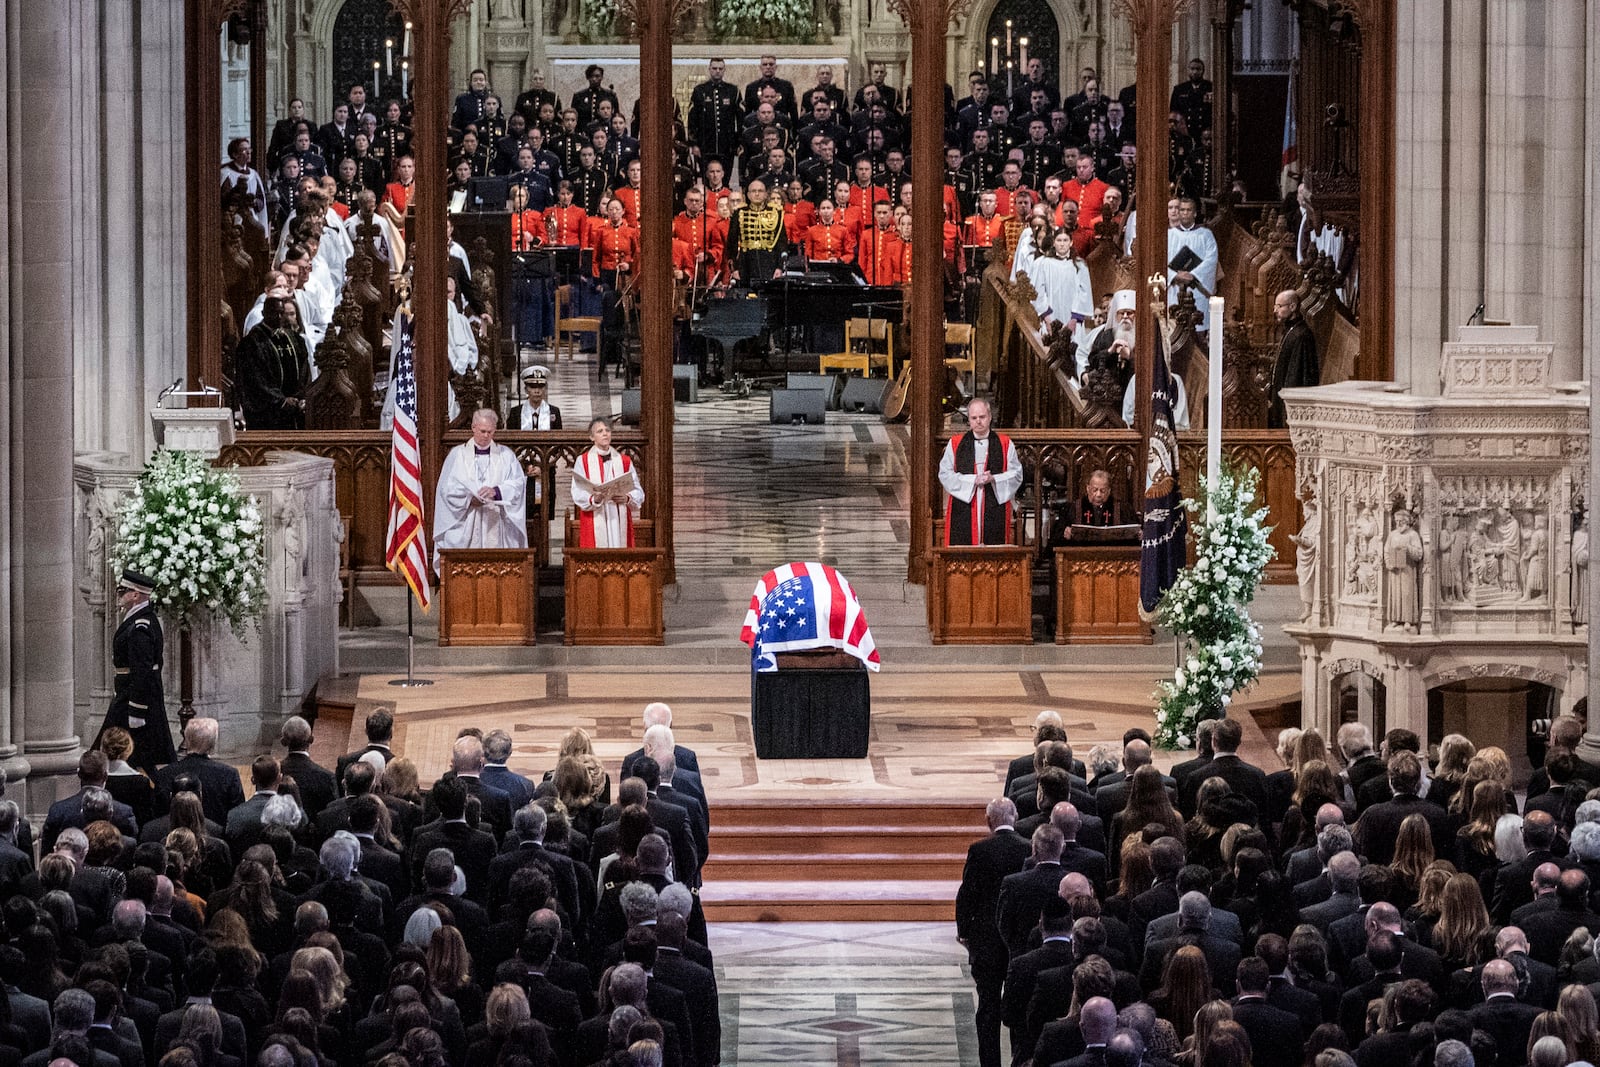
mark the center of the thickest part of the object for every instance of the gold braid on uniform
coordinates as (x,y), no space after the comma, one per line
(760,228)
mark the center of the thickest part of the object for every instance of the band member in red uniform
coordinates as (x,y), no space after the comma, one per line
(616,246)
(878,253)
(565,223)
(830,239)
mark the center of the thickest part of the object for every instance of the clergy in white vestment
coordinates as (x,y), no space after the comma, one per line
(480,501)
(1182,233)
(605,520)
(1102,341)
(1125,334)
(1062,289)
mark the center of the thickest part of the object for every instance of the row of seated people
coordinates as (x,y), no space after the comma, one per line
(1382,913)
(345,916)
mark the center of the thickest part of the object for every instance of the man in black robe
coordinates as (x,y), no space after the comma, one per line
(1094,508)
(274,370)
(1298,364)
(981,473)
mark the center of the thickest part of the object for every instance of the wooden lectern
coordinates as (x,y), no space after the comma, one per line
(488,596)
(614,594)
(980,595)
(1097,596)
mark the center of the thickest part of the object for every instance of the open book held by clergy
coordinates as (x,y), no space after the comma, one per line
(481,501)
(618,487)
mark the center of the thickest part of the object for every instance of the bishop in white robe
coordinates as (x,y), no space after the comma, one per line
(604,521)
(480,501)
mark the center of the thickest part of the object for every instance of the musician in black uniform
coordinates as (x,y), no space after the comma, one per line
(757,241)
(714,116)
(137,704)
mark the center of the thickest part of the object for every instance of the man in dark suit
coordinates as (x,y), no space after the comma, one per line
(376,862)
(1502,1016)
(1182,772)
(1111,795)
(473,849)
(1383,952)
(989,862)
(1305,863)
(1282,993)
(1037,795)
(1166,858)
(380,732)
(318,786)
(69,811)
(1046,727)
(1075,857)
(1224,924)
(357,780)
(1379,825)
(1022,974)
(496,752)
(1314,888)
(1025,894)
(1344,898)
(438,875)
(1361,762)
(243,828)
(1413,1004)
(1376,789)
(221,790)
(1246,780)
(1548,928)
(201,979)
(683,788)
(657,713)
(529,823)
(1513,885)
(553,1006)
(1098,1024)
(1275,1035)
(466,766)
(1537,983)
(674,820)
(1194,916)
(697,983)
(1416,961)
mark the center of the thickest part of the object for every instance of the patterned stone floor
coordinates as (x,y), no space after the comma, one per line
(851,994)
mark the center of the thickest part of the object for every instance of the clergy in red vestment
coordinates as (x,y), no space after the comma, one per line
(981,472)
(605,518)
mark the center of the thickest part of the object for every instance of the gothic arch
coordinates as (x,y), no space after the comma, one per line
(1081,38)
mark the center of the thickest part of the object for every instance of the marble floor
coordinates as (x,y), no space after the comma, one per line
(851,994)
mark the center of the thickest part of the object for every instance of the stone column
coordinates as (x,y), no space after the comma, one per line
(38,496)
(1590,750)
(1565,225)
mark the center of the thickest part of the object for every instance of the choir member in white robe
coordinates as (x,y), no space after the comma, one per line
(462,349)
(480,501)
(237,171)
(389,244)
(1182,232)
(1062,290)
(604,522)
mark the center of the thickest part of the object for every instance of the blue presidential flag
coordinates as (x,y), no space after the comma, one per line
(1163,543)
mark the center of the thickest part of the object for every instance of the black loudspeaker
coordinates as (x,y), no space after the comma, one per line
(864,394)
(798,405)
(828,384)
(632,407)
(685,384)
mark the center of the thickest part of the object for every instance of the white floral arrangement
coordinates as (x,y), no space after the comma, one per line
(191,529)
(766,18)
(1207,606)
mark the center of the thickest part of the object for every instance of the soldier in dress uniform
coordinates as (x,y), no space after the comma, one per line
(528,102)
(714,116)
(1192,99)
(756,237)
(769,79)
(469,105)
(393,139)
(137,704)
(587,102)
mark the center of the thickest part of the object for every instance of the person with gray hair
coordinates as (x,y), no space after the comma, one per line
(1125,1049)
(1194,922)
(318,788)
(496,754)
(1549,1051)
(639,902)
(128,919)
(15,864)
(72,1012)
(657,713)
(1452,1053)
(525,847)
(1343,897)
(220,788)
(421,925)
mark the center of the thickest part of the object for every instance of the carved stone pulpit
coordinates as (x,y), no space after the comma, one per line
(1445,540)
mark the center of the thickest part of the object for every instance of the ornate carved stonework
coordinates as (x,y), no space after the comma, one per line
(1450,533)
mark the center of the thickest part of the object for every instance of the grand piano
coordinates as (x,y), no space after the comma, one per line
(819,302)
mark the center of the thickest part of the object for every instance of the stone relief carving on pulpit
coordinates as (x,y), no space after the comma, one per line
(1402,563)
(291,520)
(100,508)
(1361,555)
(1580,572)
(505,10)
(1493,549)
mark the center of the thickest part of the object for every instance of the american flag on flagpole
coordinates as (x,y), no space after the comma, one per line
(406,549)
(802,606)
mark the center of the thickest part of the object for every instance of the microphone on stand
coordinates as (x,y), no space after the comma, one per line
(1476,318)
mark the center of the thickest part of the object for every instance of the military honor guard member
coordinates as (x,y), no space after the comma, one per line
(137,702)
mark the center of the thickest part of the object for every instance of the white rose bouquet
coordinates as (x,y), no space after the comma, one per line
(1208,606)
(190,527)
(767,19)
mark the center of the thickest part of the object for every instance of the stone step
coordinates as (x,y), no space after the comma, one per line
(835,868)
(848,840)
(821,816)
(813,901)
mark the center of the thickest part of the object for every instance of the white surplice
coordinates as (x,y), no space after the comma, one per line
(461,519)
(1202,243)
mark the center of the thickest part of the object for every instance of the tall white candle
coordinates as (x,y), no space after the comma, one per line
(1024,43)
(388,57)
(405,71)
(1214,407)
(994,54)
(405,46)
(376,92)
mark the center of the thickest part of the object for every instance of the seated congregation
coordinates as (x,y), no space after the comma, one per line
(345,916)
(1387,912)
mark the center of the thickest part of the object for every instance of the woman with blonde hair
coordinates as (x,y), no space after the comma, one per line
(1455,752)
(1206,1019)
(1136,874)
(332,983)
(1229,1046)
(1577,1009)
(579,746)
(1413,852)
(575,790)
(1315,784)
(1463,920)
(1425,912)
(1185,986)
(399,790)
(125,782)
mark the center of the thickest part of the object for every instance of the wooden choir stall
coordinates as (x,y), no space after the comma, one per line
(980,595)
(614,594)
(488,596)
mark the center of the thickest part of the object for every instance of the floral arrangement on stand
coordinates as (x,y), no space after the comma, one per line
(766,19)
(191,528)
(1207,608)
